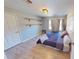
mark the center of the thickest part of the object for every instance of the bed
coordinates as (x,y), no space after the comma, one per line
(53,39)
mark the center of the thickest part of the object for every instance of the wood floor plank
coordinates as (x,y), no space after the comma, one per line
(31,50)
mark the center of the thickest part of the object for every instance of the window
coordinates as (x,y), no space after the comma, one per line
(60,27)
(50,28)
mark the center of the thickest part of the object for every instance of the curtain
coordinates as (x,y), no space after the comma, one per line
(64,23)
(55,24)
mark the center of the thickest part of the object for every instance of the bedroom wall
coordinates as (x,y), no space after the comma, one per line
(5,57)
(45,24)
(16,29)
(70,24)
(70,28)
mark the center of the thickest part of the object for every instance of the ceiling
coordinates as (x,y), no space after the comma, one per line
(55,7)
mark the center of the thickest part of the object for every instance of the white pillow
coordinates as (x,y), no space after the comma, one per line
(43,37)
(66,41)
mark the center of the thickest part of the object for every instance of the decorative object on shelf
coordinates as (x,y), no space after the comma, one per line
(28,21)
(25,18)
(30,25)
(40,24)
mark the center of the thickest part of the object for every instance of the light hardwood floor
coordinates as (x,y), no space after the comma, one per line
(31,50)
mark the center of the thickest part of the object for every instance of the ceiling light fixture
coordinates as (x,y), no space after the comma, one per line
(45,10)
(28,1)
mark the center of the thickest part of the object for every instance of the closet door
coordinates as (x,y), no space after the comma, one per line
(12,32)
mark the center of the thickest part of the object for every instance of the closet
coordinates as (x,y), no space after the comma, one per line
(11,33)
(19,28)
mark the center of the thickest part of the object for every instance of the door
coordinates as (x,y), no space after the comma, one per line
(11,30)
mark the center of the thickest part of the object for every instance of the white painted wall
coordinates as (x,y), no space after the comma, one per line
(70,25)
(70,28)
(16,30)
(45,24)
